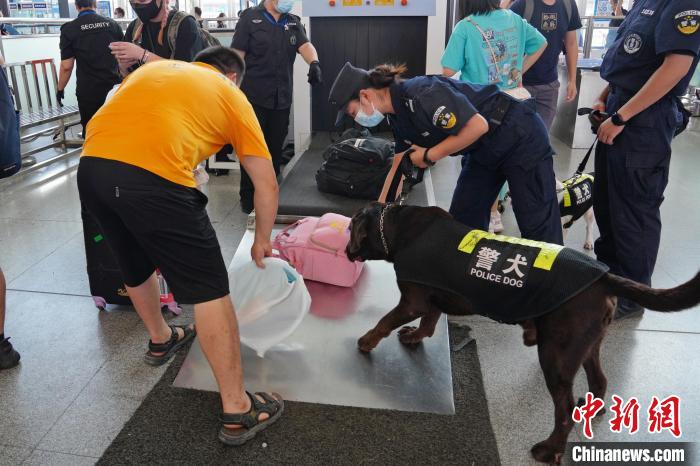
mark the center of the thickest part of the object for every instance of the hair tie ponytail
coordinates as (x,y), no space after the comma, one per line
(385,75)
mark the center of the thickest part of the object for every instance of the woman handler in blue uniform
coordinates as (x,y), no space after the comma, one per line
(650,63)
(439,117)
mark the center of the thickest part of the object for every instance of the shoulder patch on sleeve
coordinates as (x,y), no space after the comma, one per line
(688,22)
(443,118)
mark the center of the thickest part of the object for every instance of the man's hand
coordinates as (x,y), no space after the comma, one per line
(417,156)
(609,131)
(571,91)
(315,75)
(126,52)
(260,250)
(599,105)
(60,95)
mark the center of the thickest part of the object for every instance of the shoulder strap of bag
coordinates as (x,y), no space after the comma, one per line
(173,28)
(569,8)
(488,42)
(137,24)
(529,10)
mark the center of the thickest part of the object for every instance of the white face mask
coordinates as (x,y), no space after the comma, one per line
(369,121)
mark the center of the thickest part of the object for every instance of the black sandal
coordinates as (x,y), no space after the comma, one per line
(168,348)
(250,422)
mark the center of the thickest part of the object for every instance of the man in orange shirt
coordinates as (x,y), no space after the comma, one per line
(136,178)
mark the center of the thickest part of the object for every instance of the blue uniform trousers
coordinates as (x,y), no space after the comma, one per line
(630,178)
(517,152)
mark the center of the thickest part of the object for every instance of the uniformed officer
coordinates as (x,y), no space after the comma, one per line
(506,140)
(86,40)
(269,37)
(649,64)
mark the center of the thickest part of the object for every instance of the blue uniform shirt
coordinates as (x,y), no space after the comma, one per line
(652,29)
(553,23)
(431,108)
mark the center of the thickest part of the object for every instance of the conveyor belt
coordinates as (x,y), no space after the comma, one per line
(299,196)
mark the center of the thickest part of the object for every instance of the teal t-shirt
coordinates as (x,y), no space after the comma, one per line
(511,38)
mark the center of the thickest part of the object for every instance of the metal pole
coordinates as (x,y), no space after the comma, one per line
(588,44)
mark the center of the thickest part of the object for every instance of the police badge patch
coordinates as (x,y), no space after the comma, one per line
(633,43)
(444,119)
(688,22)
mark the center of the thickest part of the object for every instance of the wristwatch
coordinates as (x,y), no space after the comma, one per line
(427,160)
(617,120)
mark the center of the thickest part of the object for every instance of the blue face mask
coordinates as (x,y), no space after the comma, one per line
(284,6)
(369,121)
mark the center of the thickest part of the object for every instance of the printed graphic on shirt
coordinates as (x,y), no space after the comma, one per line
(549,22)
(633,43)
(444,119)
(688,22)
(501,57)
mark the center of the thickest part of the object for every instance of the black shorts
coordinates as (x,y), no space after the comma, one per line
(150,222)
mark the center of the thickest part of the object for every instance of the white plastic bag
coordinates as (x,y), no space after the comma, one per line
(270,303)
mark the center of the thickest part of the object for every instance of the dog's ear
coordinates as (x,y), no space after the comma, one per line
(358,231)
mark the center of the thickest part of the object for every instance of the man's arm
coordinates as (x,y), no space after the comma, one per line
(307,51)
(674,68)
(262,174)
(571,46)
(65,71)
(241,53)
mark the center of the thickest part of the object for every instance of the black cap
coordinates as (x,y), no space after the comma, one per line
(347,86)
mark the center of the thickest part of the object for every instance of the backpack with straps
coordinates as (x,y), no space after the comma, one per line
(530,10)
(174,27)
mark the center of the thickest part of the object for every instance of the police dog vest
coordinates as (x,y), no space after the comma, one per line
(577,198)
(506,279)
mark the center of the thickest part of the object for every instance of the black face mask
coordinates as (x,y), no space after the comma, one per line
(146,11)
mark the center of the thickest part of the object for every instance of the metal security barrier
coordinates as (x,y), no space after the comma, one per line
(33,85)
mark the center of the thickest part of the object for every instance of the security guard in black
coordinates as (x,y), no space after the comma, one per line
(649,65)
(86,40)
(270,37)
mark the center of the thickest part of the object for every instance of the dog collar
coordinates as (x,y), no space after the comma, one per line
(381,228)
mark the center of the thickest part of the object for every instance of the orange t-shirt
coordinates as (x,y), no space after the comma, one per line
(168,116)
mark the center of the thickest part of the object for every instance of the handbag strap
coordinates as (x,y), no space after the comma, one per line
(488,42)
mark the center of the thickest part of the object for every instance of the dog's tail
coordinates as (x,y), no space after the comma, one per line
(679,298)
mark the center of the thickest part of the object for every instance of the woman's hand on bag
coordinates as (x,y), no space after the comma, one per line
(260,250)
(417,156)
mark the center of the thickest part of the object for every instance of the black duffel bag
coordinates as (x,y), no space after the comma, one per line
(356,168)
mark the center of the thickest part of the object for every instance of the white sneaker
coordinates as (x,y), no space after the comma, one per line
(496,223)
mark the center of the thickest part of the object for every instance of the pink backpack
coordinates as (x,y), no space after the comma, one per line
(315,247)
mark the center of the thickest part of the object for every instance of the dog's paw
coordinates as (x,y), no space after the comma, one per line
(588,245)
(365,344)
(409,336)
(545,453)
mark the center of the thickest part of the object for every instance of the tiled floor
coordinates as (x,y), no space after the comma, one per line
(82,375)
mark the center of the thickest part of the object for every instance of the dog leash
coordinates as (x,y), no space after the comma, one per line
(582,166)
(402,177)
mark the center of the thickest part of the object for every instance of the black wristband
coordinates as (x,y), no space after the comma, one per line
(617,120)
(426,159)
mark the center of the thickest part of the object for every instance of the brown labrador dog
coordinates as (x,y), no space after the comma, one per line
(566,338)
